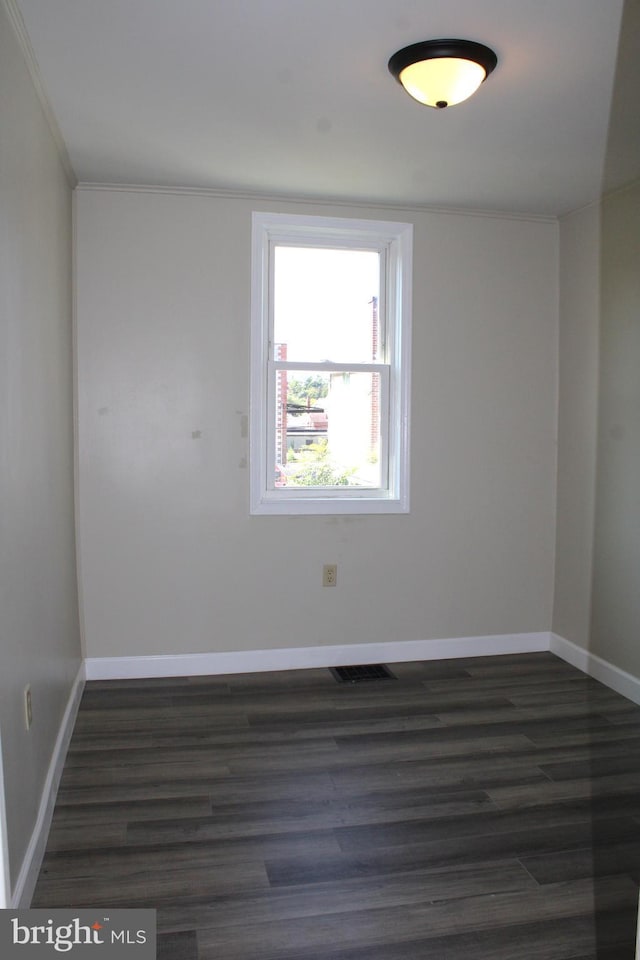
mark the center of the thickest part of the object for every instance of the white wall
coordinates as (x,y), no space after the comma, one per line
(39,636)
(577,422)
(615,623)
(616,575)
(597,598)
(173,563)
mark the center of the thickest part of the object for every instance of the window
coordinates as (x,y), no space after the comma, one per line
(331,304)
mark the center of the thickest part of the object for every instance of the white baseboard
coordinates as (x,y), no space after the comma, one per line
(299,658)
(5,879)
(28,876)
(612,676)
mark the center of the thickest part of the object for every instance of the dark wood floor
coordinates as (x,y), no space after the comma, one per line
(484,809)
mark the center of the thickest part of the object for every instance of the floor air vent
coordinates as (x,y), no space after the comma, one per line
(360,674)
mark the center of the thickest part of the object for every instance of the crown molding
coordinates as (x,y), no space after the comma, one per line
(623,188)
(568,214)
(20,31)
(606,195)
(224,193)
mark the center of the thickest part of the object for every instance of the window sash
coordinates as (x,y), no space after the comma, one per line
(338,492)
(393,242)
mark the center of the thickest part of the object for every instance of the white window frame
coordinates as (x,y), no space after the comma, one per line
(394,242)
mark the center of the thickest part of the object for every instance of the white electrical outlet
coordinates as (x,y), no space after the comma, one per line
(28,707)
(329,574)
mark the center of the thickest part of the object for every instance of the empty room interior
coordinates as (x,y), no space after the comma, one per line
(301,373)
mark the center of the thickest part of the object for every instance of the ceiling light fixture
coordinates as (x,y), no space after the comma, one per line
(440,73)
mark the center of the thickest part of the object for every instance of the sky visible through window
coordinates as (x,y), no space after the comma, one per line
(322,305)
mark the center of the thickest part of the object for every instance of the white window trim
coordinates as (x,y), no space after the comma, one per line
(397,240)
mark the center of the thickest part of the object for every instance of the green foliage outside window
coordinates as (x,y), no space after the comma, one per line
(307,391)
(311,467)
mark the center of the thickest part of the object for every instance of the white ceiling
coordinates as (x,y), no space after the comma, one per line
(293,97)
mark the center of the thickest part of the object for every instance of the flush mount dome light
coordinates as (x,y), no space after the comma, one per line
(440,73)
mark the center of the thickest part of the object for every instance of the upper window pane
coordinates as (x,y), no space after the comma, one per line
(326,304)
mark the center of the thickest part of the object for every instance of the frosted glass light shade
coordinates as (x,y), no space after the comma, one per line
(440,73)
(444,81)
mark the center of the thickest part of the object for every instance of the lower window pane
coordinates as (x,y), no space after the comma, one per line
(327,429)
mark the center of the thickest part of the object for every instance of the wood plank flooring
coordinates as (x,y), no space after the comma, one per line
(481,809)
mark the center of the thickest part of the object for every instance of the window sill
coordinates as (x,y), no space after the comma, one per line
(329,506)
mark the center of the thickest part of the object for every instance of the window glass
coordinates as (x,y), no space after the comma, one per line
(330,365)
(327,429)
(326,303)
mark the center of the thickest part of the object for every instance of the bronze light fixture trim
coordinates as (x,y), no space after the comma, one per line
(440,73)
